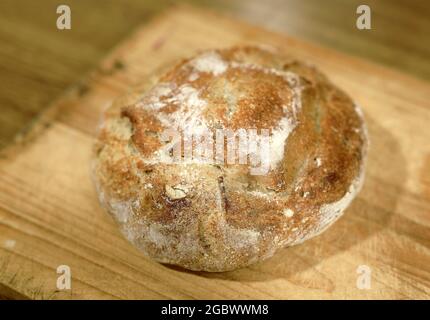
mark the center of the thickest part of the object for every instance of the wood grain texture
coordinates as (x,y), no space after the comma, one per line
(399,36)
(38,61)
(49,214)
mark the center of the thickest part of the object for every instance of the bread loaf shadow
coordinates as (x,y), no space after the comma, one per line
(368,214)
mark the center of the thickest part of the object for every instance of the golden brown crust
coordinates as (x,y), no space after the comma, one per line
(221,217)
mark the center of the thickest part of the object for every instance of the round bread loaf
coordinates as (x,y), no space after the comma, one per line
(221,213)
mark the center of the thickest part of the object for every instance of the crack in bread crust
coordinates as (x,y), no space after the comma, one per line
(221,217)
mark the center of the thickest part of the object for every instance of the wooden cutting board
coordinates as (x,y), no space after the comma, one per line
(49,214)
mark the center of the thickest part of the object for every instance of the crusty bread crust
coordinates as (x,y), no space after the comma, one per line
(219,217)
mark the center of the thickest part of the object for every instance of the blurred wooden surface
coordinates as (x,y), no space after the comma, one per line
(50,216)
(38,62)
(399,38)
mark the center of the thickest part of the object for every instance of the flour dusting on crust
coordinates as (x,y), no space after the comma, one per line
(210,62)
(219,217)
